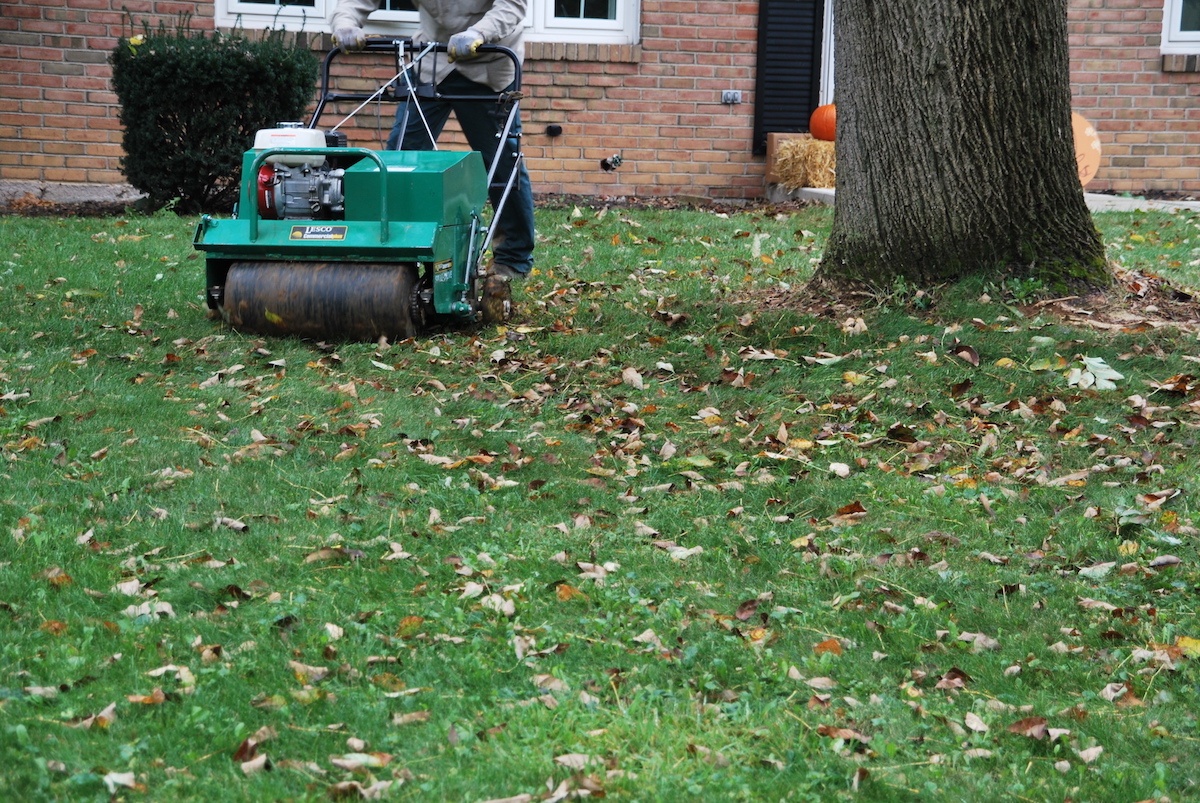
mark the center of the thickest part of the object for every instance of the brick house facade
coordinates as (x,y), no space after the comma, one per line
(656,100)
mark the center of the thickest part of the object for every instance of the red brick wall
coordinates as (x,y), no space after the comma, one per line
(656,103)
(1145,107)
(58,115)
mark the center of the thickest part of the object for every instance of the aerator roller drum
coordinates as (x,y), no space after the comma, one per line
(337,242)
(359,301)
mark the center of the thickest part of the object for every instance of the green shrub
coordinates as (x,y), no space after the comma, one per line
(191,102)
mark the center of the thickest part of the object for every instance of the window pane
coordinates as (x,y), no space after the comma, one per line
(600,9)
(304,3)
(399,5)
(586,9)
(1191,16)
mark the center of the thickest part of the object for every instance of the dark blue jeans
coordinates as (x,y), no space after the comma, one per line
(482,123)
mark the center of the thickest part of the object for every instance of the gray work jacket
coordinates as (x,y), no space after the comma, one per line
(501,22)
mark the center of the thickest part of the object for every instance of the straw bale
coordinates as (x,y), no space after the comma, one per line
(802,161)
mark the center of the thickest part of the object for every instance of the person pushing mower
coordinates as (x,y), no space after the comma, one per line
(463,26)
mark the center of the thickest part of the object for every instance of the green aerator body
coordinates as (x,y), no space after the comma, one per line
(399,254)
(346,243)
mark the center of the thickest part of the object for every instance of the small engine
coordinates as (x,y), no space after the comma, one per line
(301,192)
(300,186)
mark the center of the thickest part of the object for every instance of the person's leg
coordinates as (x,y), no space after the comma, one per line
(482,123)
(412,133)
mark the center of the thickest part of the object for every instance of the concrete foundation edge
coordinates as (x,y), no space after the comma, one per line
(1097,202)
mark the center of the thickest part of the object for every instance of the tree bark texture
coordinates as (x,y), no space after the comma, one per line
(955,152)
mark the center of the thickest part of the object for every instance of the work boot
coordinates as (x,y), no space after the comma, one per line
(496,304)
(508,273)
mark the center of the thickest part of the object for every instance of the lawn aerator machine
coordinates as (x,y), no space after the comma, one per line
(335,242)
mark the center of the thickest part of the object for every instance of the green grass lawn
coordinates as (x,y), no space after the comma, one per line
(657,539)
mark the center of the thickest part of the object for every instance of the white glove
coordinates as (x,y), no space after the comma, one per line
(349,39)
(464,45)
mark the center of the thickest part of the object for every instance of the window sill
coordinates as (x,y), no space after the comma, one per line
(1181,62)
(582,51)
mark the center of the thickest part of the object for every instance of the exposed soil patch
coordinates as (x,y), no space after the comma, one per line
(1136,302)
(30,206)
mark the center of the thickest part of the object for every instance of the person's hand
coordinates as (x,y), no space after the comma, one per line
(464,46)
(350,39)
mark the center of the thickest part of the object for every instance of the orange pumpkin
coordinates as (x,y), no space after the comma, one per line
(823,122)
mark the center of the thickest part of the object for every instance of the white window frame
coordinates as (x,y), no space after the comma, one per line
(624,30)
(540,23)
(1175,40)
(826,93)
(255,16)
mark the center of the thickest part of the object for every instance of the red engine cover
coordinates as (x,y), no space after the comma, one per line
(267,208)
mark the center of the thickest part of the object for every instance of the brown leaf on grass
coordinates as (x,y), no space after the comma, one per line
(714,757)
(829,645)
(308,674)
(1089,604)
(953,680)
(566,592)
(246,751)
(746,610)
(410,718)
(358,761)
(1032,727)
(974,723)
(1155,500)
(114,780)
(549,683)
(154,608)
(256,765)
(101,720)
(155,697)
(353,790)
(574,761)
(847,515)
(648,636)
(846,734)
(965,353)
(56,577)
(1179,383)
(633,379)
(333,553)
(409,626)
(979,641)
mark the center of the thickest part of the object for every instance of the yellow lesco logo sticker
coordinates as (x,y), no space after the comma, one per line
(310,232)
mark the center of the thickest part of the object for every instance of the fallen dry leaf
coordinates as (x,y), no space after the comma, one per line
(973,722)
(410,718)
(842,733)
(1033,727)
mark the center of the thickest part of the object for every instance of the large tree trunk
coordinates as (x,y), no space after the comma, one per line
(955,153)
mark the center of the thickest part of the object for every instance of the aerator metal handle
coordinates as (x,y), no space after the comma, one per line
(377,44)
(261,159)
